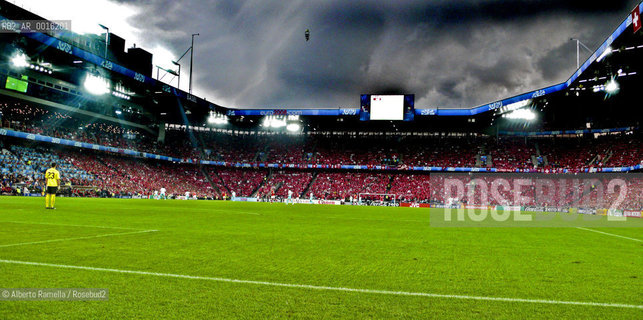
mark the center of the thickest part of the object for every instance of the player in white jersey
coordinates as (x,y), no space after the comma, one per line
(311,198)
(290,198)
(234,196)
(163,191)
(187,195)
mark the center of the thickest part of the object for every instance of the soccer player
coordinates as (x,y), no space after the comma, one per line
(163,191)
(52,177)
(311,198)
(290,198)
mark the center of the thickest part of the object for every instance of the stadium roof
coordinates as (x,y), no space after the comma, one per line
(620,41)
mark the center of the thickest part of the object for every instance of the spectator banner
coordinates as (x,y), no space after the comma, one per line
(586,211)
(478,207)
(509,208)
(316,201)
(414,205)
(633,214)
(244,199)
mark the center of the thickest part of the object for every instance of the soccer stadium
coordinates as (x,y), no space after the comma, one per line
(125,195)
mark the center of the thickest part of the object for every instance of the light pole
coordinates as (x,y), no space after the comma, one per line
(578,44)
(176,63)
(192,60)
(106,38)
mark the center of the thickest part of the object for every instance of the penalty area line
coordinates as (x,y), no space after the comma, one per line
(610,234)
(327,288)
(76,238)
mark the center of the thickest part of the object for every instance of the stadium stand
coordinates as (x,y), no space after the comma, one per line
(101,174)
(281,182)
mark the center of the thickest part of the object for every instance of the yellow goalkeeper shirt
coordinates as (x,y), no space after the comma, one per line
(53,176)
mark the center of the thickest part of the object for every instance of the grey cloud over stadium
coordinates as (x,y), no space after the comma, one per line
(252,53)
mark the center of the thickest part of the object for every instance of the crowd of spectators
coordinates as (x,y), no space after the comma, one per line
(243,182)
(279,183)
(95,174)
(505,154)
(100,174)
(342,186)
(90,173)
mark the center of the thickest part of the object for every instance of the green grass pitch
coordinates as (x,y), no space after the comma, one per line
(331,248)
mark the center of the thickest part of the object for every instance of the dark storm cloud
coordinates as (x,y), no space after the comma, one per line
(456,12)
(252,53)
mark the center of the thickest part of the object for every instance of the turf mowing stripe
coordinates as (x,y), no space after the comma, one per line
(70,225)
(367,219)
(610,234)
(325,288)
(232,212)
(77,238)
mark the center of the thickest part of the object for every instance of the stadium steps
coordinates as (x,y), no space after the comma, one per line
(389,185)
(265,180)
(576,202)
(608,157)
(534,161)
(312,181)
(227,189)
(262,155)
(367,188)
(592,160)
(313,151)
(278,186)
(207,177)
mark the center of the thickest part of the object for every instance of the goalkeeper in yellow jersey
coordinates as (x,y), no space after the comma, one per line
(52,177)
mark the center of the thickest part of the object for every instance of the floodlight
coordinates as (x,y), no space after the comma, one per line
(216,118)
(293,127)
(521,114)
(278,123)
(19,60)
(611,86)
(96,85)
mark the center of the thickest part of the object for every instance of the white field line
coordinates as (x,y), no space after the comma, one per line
(326,288)
(76,238)
(70,225)
(610,234)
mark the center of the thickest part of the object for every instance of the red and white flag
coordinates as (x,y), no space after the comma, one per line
(636,19)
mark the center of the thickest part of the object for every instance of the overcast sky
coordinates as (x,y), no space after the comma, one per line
(449,53)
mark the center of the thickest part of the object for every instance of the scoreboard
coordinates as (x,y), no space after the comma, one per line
(387,107)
